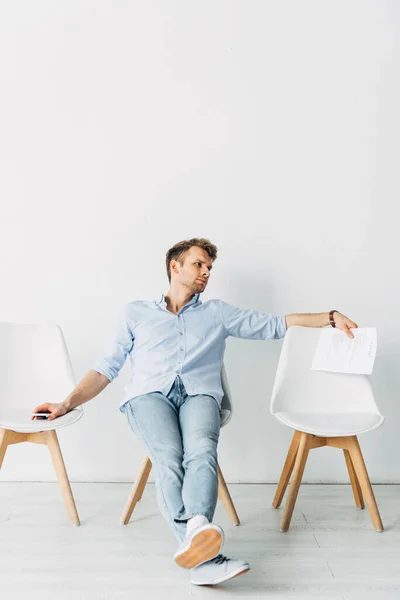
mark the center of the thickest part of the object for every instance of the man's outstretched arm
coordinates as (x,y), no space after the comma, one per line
(104,371)
(90,386)
(321,320)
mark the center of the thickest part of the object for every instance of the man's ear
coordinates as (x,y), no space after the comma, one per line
(174,266)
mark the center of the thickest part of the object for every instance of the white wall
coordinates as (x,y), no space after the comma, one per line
(270,127)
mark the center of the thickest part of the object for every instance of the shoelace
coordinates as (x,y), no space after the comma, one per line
(220,559)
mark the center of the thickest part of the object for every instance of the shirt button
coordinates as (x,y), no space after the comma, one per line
(181,333)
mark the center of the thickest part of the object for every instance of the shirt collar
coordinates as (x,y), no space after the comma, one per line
(194,300)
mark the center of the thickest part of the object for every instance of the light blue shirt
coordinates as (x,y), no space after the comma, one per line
(190,344)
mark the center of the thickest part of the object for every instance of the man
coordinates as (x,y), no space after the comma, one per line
(172,403)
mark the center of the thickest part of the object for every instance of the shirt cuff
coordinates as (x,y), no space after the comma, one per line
(103,370)
(281,327)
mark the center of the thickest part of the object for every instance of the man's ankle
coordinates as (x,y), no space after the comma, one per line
(197,521)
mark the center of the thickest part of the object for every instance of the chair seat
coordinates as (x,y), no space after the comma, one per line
(226,416)
(19,419)
(331,424)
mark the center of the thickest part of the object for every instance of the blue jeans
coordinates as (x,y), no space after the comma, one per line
(180,433)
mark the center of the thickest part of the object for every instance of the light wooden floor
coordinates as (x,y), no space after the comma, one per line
(331,550)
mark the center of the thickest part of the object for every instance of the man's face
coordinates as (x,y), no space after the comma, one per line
(195,270)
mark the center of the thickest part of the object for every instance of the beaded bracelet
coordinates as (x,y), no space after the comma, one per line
(331,319)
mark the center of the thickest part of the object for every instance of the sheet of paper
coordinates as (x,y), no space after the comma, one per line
(338,353)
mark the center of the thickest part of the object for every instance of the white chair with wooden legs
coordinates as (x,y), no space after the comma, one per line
(35,368)
(223,492)
(324,409)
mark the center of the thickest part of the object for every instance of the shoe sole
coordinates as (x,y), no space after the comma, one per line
(204,546)
(232,575)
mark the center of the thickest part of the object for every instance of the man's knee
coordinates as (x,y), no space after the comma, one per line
(202,449)
(167,458)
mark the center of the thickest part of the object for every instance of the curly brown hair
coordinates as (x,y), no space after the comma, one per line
(178,251)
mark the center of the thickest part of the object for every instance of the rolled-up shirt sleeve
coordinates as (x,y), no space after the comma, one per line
(252,324)
(119,345)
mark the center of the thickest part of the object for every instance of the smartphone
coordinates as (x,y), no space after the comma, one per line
(41,415)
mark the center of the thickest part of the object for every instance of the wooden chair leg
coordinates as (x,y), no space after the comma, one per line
(225,497)
(3,444)
(365,484)
(354,481)
(300,463)
(51,440)
(287,470)
(137,490)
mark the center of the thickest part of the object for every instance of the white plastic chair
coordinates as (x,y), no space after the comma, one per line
(324,409)
(35,368)
(223,492)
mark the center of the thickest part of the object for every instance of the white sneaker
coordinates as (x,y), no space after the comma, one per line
(199,546)
(218,570)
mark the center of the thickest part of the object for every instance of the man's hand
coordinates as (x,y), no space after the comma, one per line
(56,410)
(344,324)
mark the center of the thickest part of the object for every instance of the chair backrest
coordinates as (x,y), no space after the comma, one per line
(226,404)
(297,388)
(34,365)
